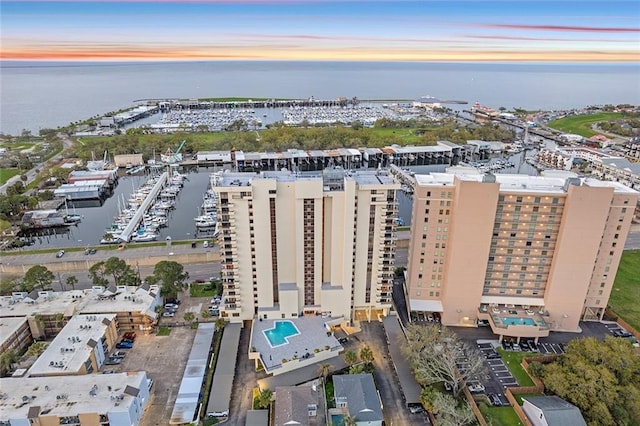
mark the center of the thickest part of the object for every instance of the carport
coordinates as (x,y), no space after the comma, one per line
(220,394)
(410,388)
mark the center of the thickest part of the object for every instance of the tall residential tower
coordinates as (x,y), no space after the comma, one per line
(296,244)
(527,254)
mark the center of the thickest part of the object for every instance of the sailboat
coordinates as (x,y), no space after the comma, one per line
(71,217)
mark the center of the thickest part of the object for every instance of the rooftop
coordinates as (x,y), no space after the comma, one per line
(515,182)
(8,327)
(122,299)
(360,394)
(21,304)
(69,395)
(294,404)
(73,345)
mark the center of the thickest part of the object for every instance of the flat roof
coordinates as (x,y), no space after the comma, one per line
(220,397)
(47,303)
(361,177)
(516,182)
(184,410)
(69,395)
(122,299)
(410,388)
(72,346)
(9,327)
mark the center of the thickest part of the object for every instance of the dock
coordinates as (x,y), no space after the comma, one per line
(131,227)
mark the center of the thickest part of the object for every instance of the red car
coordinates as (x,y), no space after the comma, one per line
(129,335)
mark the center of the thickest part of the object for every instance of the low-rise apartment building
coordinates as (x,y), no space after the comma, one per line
(90,400)
(528,254)
(80,348)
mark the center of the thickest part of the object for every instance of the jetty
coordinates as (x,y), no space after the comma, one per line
(132,226)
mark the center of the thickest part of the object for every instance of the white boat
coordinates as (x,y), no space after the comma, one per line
(205,221)
(145,236)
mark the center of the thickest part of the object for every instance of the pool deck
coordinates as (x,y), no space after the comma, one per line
(313,335)
(497,314)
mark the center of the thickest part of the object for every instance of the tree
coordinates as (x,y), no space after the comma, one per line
(205,315)
(189,316)
(7,360)
(8,285)
(72,280)
(323,370)
(600,378)
(452,412)
(172,277)
(263,399)
(366,355)
(115,268)
(357,369)
(38,276)
(432,354)
(350,357)
(36,349)
(220,324)
(427,396)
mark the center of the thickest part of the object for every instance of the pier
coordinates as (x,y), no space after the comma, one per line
(125,235)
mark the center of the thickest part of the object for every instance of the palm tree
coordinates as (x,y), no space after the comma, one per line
(263,400)
(7,360)
(220,324)
(324,369)
(36,349)
(366,355)
(189,316)
(72,280)
(350,421)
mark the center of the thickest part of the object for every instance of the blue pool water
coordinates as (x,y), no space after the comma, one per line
(337,419)
(280,332)
(518,321)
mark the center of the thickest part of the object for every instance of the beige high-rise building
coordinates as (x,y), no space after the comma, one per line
(527,254)
(298,244)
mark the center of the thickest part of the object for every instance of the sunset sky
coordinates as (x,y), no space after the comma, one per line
(507,30)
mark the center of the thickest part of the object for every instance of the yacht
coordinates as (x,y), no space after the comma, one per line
(205,221)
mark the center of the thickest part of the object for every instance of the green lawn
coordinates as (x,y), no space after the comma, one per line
(626,289)
(6,174)
(499,416)
(164,331)
(202,290)
(512,360)
(581,124)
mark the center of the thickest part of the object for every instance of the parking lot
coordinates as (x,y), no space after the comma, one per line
(153,354)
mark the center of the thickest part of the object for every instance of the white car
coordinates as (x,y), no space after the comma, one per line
(169,314)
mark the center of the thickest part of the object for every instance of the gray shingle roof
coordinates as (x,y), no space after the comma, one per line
(557,411)
(292,405)
(360,393)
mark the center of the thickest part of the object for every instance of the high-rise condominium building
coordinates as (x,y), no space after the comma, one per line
(526,254)
(298,244)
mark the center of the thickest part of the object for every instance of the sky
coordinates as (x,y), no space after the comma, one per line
(427,30)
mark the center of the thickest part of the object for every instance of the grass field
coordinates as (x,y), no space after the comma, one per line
(6,174)
(581,124)
(202,290)
(164,331)
(626,289)
(513,360)
(499,416)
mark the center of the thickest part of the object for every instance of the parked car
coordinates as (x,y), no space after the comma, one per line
(124,345)
(109,372)
(172,301)
(515,347)
(524,346)
(127,340)
(90,251)
(475,387)
(171,306)
(113,361)
(169,314)
(492,355)
(448,387)
(129,335)
(416,408)
(343,340)
(60,253)
(622,333)
(118,354)
(495,400)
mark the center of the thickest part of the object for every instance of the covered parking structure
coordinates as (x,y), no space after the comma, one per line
(222,385)
(410,388)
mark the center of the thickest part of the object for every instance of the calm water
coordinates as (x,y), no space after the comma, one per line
(41,95)
(96,219)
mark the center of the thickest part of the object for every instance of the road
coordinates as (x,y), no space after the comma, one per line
(32,174)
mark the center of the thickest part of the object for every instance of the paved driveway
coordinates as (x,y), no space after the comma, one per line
(394,409)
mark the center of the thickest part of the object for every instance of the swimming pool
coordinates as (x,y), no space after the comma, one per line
(518,321)
(281,331)
(337,419)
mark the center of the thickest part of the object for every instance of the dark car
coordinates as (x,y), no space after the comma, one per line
(524,345)
(90,251)
(622,333)
(343,340)
(416,408)
(124,345)
(495,400)
(492,355)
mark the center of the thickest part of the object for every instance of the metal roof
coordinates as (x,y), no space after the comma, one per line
(410,388)
(220,395)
